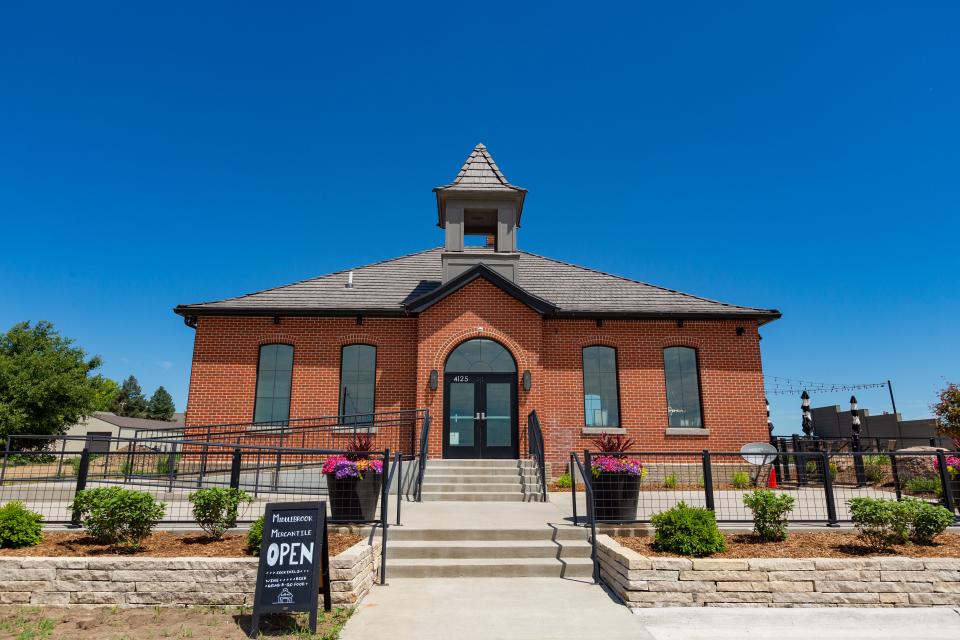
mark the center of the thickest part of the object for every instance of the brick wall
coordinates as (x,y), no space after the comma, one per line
(223,379)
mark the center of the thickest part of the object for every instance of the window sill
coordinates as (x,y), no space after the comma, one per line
(597,431)
(688,431)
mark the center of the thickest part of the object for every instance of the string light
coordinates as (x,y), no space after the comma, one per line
(776,385)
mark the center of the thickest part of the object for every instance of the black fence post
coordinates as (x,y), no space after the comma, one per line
(172,465)
(384,521)
(784,460)
(858,467)
(6,456)
(235,469)
(799,461)
(707,480)
(945,483)
(591,514)
(82,470)
(573,488)
(399,484)
(895,474)
(828,490)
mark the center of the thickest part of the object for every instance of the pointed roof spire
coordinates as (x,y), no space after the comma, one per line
(480,175)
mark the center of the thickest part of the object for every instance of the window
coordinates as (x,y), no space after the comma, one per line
(480,355)
(358,373)
(274,373)
(683,387)
(601,402)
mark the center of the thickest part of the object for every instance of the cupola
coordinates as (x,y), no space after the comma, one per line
(482,206)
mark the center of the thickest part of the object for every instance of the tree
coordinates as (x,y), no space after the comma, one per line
(160,406)
(106,390)
(947,411)
(129,401)
(46,383)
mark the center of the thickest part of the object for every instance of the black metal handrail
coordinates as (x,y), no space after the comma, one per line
(575,466)
(385,511)
(424,444)
(536,449)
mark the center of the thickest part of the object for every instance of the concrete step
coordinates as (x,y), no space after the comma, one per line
(473,496)
(492,568)
(488,549)
(512,472)
(435,487)
(471,478)
(528,533)
(489,464)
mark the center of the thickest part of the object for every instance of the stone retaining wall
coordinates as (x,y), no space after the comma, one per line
(777,582)
(172,582)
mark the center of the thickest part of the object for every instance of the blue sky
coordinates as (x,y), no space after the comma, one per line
(803,157)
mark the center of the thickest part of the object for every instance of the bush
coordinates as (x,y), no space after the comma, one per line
(19,527)
(216,509)
(740,479)
(688,531)
(118,517)
(564,481)
(927,520)
(255,537)
(769,513)
(882,523)
(924,485)
(875,468)
(670,482)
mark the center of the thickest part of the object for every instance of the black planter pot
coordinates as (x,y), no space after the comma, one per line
(615,496)
(353,499)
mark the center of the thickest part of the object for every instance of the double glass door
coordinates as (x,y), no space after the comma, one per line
(480,415)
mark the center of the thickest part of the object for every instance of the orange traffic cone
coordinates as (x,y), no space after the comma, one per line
(772,479)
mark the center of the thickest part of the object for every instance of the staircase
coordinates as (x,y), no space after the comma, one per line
(536,552)
(481,481)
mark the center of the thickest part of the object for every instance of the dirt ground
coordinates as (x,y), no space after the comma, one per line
(826,544)
(203,623)
(160,544)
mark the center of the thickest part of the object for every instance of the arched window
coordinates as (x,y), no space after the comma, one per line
(274,375)
(682,374)
(358,377)
(480,355)
(601,395)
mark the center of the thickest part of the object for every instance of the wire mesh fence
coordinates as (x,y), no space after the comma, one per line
(46,475)
(821,483)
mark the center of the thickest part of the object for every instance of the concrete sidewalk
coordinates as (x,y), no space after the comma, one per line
(484,608)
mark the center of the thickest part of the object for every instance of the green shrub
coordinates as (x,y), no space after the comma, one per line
(881,523)
(255,537)
(688,531)
(163,467)
(740,479)
(119,517)
(875,468)
(920,484)
(927,520)
(700,482)
(769,513)
(216,509)
(670,482)
(19,527)
(812,468)
(564,481)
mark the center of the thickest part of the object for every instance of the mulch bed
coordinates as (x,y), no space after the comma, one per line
(162,544)
(820,544)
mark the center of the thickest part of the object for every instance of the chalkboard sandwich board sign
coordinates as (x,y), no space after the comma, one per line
(294,562)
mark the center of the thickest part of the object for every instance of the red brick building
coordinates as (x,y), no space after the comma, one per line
(481,336)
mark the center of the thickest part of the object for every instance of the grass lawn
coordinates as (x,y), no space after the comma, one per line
(40,623)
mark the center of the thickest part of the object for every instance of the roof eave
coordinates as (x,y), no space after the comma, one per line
(762,316)
(187,311)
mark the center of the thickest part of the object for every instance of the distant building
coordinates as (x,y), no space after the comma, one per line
(831,422)
(98,429)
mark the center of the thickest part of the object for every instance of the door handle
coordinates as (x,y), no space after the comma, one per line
(477,416)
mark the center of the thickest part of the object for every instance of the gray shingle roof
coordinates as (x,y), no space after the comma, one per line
(479,173)
(385,287)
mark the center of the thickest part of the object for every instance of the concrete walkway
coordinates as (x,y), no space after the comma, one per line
(484,608)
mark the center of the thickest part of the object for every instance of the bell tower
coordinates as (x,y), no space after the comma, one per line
(480,203)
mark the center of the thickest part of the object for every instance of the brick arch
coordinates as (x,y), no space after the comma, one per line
(599,341)
(455,340)
(276,338)
(682,341)
(358,338)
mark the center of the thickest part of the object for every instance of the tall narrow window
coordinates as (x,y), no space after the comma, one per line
(683,387)
(274,373)
(601,402)
(358,373)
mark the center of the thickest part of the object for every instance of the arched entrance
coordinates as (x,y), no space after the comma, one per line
(480,402)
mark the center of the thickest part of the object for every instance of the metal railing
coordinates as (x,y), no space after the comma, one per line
(536,449)
(873,444)
(591,522)
(821,483)
(422,456)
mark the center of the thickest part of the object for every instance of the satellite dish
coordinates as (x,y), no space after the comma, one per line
(758,453)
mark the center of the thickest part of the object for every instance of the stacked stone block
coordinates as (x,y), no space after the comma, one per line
(642,581)
(173,582)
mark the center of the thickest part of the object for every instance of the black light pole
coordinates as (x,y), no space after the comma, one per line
(855,441)
(807,420)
